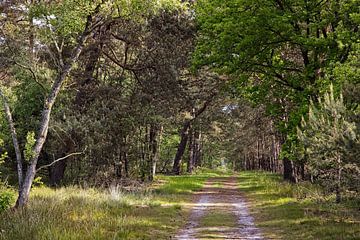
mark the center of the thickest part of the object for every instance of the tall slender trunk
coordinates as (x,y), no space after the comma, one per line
(245,162)
(197,146)
(143,151)
(10,120)
(338,179)
(154,144)
(192,153)
(156,150)
(258,153)
(199,153)
(118,163)
(125,156)
(45,117)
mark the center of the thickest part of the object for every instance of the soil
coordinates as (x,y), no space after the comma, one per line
(220,196)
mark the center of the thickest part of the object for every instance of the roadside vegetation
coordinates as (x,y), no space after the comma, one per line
(116,213)
(302,211)
(109,109)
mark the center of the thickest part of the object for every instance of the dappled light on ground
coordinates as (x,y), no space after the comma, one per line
(219,212)
(283,211)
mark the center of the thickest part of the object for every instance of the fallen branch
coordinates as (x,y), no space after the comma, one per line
(60,159)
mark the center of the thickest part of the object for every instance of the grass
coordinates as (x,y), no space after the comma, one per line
(216,225)
(287,211)
(281,210)
(75,213)
(219,219)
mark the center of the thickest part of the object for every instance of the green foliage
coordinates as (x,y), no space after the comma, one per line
(7,197)
(280,54)
(4,154)
(67,17)
(29,146)
(331,141)
(298,211)
(77,213)
(38,182)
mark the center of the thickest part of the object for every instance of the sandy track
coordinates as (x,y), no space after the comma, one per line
(220,195)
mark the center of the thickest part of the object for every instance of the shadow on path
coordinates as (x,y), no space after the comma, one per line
(219,196)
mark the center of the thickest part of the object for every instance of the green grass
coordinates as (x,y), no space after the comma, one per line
(287,211)
(281,210)
(177,189)
(216,225)
(76,213)
(219,219)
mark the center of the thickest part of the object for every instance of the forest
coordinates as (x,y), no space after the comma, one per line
(179,119)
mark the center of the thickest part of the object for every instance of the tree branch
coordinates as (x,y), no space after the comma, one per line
(60,159)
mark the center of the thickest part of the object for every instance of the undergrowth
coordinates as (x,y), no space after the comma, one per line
(77,213)
(302,211)
(7,196)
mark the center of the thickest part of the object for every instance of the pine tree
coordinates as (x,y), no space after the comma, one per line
(330,139)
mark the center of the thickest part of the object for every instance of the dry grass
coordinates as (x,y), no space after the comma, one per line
(287,211)
(76,213)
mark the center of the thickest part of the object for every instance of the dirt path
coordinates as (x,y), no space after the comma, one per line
(219,212)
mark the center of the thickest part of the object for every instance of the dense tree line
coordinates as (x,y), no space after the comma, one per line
(283,56)
(103,92)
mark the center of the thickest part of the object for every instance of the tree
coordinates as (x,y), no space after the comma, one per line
(277,52)
(61,31)
(329,137)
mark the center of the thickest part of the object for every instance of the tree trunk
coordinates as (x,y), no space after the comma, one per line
(57,172)
(143,151)
(184,135)
(45,118)
(118,162)
(338,180)
(125,157)
(288,167)
(197,147)
(157,150)
(258,154)
(192,153)
(10,120)
(154,144)
(198,159)
(289,170)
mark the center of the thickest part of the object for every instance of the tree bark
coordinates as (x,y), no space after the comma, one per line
(192,153)
(154,143)
(197,146)
(338,179)
(289,170)
(156,151)
(45,118)
(125,157)
(184,135)
(19,161)
(185,132)
(57,172)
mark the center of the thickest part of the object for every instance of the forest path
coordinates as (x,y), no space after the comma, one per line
(219,212)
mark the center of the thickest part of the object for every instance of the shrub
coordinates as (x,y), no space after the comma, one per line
(6,198)
(331,141)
